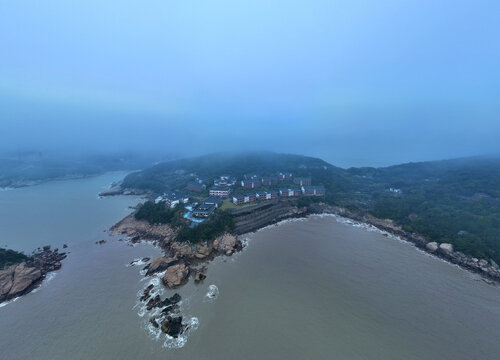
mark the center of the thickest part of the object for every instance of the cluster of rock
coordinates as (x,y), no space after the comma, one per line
(166,320)
(489,270)
(20,279)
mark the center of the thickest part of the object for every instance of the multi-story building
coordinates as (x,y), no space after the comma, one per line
(289,192)
(220,191)
(302,181)
(313,190)
(250,183)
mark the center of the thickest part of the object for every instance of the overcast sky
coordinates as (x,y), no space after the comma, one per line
(355,82)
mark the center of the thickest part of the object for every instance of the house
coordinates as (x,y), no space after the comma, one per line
(204,210)
(251,176)
(175,198)
(225,180)
(201,179)
(289,192)
(302,181)
(313,190)
(212,200)
(220,191)
(284,175)
(195,186)
(269,180)
(244,199)
(250,183)
(266,195)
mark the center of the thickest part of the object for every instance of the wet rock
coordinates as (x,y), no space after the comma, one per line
(172,326)
(145,259)
(176,276)
(154,302)
(199,277)
(46,248)
(159,264)
(147,293)
(65,246)
(174,299)
(432,246)
(102,242)
(153,321)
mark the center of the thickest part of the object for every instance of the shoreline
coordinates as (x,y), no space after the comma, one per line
(198,254)
(22,278)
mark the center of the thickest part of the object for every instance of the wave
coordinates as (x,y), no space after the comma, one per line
(212,293)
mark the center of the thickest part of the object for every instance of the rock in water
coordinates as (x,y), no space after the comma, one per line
(17,279)
(176,276)
(172,326)
(159,264)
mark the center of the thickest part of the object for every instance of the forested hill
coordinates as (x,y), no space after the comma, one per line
(456,201)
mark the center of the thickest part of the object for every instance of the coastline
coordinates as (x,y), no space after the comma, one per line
(198,254)
(22,278)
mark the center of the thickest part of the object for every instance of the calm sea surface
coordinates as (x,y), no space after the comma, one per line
(308,289)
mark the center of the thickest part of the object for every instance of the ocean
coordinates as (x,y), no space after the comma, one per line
(315,288)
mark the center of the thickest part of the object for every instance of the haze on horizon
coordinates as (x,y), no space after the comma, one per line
(357,83)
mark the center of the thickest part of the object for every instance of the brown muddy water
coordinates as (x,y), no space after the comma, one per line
(316,288)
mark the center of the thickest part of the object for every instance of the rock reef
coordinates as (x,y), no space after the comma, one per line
(20,279)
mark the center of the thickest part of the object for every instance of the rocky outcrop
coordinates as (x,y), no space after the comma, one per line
(20,279)
(138,230)
(159,264)
(175,276)
(489,272)
(172,326)
(225,244)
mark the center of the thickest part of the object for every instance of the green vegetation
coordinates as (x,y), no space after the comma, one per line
(455,201)
(10,257)
(217,225)
(160,213)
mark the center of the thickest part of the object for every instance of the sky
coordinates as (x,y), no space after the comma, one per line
(358,83)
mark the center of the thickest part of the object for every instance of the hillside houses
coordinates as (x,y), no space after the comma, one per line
(195,186)
(251,183)
(313,190)
(289,192)
(220,191)
(302,181)
(173,198)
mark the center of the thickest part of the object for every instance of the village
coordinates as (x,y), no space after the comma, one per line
(226,191)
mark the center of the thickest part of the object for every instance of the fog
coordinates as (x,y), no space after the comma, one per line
(358,83)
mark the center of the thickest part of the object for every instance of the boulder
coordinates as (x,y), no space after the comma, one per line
(483,263)
(432,246)
(17,279)
(446,248)
(199,277)
(226,243)
(172,326)
(46,248)
(159,264)
(175,276)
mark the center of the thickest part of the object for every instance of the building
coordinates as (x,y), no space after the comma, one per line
(269,180)
(302,181)
(201,179)
(225,180)
(213,200)
(175,198)
(244,199)
(204,210)
(289,192)
(284,175)
(251,176)
(250,183)
(195,186)
(313,190)
(220,191)
(266,195)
